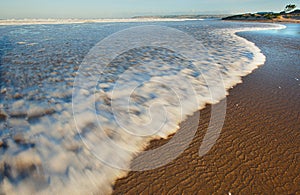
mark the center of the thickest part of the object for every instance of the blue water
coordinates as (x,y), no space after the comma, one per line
(291,30)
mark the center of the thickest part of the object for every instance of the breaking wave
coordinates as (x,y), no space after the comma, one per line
(56,139)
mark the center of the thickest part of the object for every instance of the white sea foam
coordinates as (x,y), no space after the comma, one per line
(80,21)
(50,156)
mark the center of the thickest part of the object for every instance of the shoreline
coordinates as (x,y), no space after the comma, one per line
(269,17)
(288,21)
(252,140)
(58,120)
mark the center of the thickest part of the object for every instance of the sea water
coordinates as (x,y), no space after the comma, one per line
(71,125)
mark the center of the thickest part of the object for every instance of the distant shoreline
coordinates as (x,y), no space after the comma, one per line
(268,21)
(267,17)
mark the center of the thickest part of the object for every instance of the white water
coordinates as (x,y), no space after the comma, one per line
(81,21)
(60,163)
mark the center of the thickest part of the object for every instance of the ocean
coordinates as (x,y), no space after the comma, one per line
(79,101)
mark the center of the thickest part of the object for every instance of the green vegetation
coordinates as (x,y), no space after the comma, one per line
(288,13)
(271,16)
(289,7)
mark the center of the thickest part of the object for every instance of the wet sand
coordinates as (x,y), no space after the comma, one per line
(282,20)
(275,20)
(258,150)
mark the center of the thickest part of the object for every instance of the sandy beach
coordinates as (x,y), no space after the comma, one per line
(276,20)
(258,151)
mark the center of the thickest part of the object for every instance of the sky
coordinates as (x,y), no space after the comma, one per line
(127,8)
